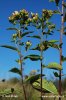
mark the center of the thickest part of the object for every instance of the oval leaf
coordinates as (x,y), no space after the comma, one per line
(16,70)
(26,33)
(35,36)
(10,47)
(55,66)
(33,57)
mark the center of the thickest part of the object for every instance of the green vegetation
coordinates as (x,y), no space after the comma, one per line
(35,86)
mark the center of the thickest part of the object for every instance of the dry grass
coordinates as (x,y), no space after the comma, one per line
(31,93)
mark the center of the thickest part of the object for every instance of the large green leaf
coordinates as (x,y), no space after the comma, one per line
(33,57)
(35,36)
(33,78)
(26,33)
(54,65)
(47,86)
(10,47)
(16,70)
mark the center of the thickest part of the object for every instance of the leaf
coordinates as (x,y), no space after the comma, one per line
(63,58)
(10,47)
(35,36)
(54,65)
(60,45)
(56,74)
(26,33)
(47,33)
(34,78)
(53,41)
(51,0)
(42,46)
(56,46)
(16,70)
(33,57)
(56,12)
(47,86)
(12,29)
(57,2)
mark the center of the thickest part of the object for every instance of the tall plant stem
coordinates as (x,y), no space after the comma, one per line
(21,69)
(41,60)
(41,75)
(22,79)
(62,30)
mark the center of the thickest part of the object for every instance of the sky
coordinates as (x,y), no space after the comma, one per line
(7,57)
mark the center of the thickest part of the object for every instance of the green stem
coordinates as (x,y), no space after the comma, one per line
(21,68)
(22,78)
(41,75)
(41,61)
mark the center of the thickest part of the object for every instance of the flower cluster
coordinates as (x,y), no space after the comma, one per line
(47,13)
(22,17)
(34,17)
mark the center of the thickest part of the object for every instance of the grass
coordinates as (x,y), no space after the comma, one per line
(32,94)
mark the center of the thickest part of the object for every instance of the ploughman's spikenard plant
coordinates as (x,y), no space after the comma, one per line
(62,31)
(46,28)
(20,23)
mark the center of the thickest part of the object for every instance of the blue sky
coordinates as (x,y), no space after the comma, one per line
(7,57)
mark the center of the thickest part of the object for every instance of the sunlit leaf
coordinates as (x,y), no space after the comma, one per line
(53,41)
(16,70)
(54,65)
(47,86)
